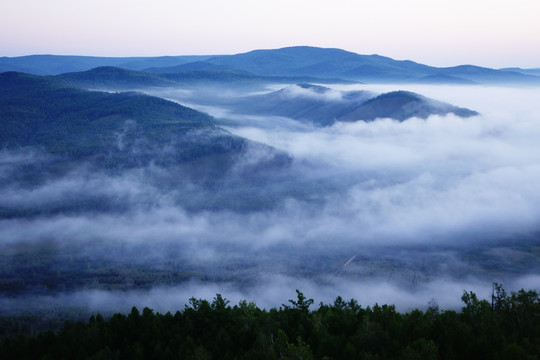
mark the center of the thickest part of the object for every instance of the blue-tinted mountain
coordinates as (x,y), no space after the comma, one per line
(444,79)
(484,75)
(191,66)
(307,61)
(402,105)
(110,130)
(106,77)
(115,78)
(305,102)
(535,71)
(337,63)
(323,106)
(299,61)
(59,64)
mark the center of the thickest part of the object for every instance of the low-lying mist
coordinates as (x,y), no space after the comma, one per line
(382,211)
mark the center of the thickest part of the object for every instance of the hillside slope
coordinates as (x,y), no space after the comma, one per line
(109,130)
(324,106)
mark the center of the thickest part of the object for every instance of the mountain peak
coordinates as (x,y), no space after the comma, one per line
(292,61)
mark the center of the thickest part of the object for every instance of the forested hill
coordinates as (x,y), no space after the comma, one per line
(115,78)
(115,128)
(58,64)
(402,105)
(507,327)
(323,106)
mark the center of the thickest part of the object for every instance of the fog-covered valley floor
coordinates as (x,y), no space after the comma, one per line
(384,211)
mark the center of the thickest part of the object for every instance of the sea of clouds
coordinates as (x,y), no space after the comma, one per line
(412,201)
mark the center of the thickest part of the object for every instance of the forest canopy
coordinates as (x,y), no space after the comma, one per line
(505,327)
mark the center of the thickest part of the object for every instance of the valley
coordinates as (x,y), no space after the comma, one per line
(221,175)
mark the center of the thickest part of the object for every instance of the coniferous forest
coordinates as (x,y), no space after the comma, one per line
(507,326)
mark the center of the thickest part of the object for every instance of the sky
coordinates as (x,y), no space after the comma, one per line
(492,33)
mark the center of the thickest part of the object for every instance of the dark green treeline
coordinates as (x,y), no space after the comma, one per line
(504,327)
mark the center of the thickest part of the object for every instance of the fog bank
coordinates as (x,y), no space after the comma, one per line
(383,212)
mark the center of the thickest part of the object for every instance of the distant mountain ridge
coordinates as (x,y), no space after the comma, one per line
(312,61)
(290,61)
(59,64)
(323,106)
(535,71)
(109,78)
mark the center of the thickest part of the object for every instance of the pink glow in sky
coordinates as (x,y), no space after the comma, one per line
(491,33)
